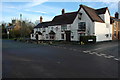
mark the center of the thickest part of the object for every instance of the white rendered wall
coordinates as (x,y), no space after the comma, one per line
(101,30)
(89,25)
(107,17)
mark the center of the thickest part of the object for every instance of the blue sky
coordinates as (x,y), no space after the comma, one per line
(33,10)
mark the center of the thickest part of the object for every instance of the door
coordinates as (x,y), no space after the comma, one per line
(68,36)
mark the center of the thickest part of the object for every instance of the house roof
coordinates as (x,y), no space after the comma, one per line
(66,18)
(43,24)
(10,27)
(112,19)
(52,32)
(93,13)
(101,10)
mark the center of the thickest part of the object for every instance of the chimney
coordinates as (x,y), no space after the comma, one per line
(63,11)
(117,15)
(41,19)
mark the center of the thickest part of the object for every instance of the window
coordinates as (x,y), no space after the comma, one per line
(62,36)
(32,35)
(52,36)
(56,28)
(110,35)
(51,28)
(64,27)
(46,36)
(72,35)
(107,35)
(114,33)
(82,34)
(43,29)
(79,16)
(82,26)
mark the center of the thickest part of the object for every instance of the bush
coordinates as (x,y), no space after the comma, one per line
(87,39)
(4,35)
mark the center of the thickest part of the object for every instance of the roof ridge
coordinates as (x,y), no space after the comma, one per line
(101,8)
(87,6)
(67,13)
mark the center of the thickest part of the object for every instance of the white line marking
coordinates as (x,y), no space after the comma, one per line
(110,56)
(98,54)
(116,59)
(105,47)
(97,49)
(86,51)
(102,54)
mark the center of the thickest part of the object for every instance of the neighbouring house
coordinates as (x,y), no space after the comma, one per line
(115,21)
(71,26)
(9,27)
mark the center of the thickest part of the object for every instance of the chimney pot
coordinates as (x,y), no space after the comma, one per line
(41,19)
(63,11)
(117,15)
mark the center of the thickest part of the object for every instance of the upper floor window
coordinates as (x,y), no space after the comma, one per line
(52,28)
(44,30)
(64,27)
(82,26)
(79,16)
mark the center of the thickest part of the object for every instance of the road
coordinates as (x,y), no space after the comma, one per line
(26,60)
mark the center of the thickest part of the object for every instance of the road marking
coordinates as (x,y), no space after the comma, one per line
(92,53)
(97,49)
(102,54)
(89,52)
(110,56)
(86,51)
(98,54)
(116,59)
(105,47)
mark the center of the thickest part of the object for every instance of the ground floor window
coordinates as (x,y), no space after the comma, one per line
(115,33)
(52,37)
(46,36)
(32,35)
(82,34)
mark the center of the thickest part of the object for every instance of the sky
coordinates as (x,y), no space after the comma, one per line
(33,10)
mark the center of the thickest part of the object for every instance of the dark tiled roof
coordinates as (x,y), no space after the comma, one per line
(101,10)
(112,19)
(66,18)
(52,32)
(43,24)
(92,13)
(39,32)
(10,27)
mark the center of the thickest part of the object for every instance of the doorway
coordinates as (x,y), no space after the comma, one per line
(68,36)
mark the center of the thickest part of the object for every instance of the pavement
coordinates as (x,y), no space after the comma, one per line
(27,60)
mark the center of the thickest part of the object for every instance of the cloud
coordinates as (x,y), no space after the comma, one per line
(35,3)
(35,11)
